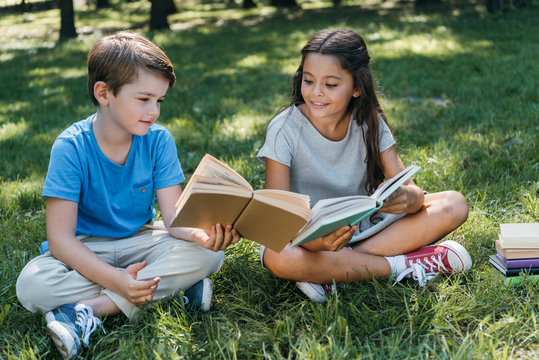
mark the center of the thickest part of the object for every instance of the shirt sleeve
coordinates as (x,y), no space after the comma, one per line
(386,137)
(167,168)
(279,144)
(65,174)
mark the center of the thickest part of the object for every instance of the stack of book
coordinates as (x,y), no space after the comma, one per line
(517,252)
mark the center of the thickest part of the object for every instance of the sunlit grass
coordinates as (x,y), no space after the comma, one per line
(459,89)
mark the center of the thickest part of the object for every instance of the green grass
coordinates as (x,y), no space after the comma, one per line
(459,87)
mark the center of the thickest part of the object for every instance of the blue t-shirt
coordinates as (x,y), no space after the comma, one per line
(113,200)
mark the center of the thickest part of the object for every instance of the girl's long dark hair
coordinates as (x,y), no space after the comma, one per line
(350,49)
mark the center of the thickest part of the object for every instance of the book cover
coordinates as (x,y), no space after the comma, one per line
(329,215)
(517,280)
(497,263)
(516,253)
(518,263)
(520,235)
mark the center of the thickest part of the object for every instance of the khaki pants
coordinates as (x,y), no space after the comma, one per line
(46,283)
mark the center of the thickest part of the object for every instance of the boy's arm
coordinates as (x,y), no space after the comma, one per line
(216,239)
(408,197)
(61,220)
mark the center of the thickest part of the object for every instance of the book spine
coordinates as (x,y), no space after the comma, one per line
(516,272)
(522,263)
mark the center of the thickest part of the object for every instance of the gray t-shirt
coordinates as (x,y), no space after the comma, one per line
(319,167)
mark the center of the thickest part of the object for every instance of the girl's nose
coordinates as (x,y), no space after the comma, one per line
(318,91)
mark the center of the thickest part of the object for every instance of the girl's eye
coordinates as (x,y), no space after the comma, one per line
(306,81)
(331,85)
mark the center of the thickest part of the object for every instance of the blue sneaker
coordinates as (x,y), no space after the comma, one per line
(69,325)
(199,295)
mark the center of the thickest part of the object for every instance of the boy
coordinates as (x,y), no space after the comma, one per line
(105,256)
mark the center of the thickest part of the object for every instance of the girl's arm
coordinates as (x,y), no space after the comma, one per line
(216,239)
(61,221)
(278,177)
(409,197)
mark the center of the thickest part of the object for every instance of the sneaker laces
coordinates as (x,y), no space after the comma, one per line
(328,289)
(420,272)
(87,323)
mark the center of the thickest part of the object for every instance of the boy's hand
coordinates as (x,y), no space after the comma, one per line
(332,242)
(138,292)
(216,239)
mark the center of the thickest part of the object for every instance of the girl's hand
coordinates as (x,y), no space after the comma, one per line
(407,198)
(138,292)
(332,242)
(216,239)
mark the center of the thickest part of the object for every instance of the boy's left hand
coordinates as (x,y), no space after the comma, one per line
(217,238)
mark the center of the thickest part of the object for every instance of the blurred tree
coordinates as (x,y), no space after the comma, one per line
(101,4)
(67,20)
(248,4)
(284,3)
(158,14)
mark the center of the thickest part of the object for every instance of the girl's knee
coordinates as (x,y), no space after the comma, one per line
(283,265)
(455,208)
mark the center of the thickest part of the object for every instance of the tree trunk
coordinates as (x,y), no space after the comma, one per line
(284,3)
(171,7)
(248,4)
(101,4)
(67,20)
(158,15)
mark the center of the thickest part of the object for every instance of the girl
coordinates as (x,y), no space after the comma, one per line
(333,140)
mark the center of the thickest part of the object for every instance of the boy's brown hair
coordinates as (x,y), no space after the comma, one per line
(116,59)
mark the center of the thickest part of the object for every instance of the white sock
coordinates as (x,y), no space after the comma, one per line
(397,264)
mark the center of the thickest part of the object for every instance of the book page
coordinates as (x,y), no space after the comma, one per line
(329,215)
(520,235)
(293,202)
(211,167)
(391,185)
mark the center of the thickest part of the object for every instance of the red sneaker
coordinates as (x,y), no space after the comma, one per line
(446,257)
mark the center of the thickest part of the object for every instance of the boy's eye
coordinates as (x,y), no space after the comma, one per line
(143,99)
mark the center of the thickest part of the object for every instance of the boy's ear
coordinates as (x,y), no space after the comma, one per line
(101,93)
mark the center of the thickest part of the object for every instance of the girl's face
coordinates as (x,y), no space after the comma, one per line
(326,88)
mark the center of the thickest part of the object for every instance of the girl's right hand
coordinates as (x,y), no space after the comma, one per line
(138,292)
(332,242)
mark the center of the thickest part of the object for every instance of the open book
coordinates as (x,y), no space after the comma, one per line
(218,194)
(329,215)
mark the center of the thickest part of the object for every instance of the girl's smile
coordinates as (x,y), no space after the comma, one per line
(327,90)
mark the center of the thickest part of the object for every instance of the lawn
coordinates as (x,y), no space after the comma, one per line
(459,87)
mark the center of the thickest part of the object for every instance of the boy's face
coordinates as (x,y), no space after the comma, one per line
(136,106)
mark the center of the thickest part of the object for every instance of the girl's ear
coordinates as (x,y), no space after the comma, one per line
(356,93)
(101,93)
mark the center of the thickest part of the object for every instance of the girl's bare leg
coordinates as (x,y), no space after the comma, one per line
(300,264)
(441,214)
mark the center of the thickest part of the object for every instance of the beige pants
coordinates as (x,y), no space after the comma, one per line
(46,283)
